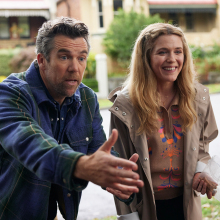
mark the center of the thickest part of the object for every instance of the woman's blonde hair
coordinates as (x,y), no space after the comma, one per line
(142,83)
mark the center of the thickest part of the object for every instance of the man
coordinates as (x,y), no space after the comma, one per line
(50,131)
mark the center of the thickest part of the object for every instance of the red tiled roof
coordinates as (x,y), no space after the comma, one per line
(23,4)
(181,2)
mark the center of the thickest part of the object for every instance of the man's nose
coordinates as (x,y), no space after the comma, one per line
(73,65)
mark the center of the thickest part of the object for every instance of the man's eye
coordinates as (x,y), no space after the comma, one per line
(81,58)
(162,52)
(63,57)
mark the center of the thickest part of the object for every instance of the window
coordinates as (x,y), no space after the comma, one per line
(189,21)
(173,17)
(4,28)
(117,4)
(24,27)
(101,25)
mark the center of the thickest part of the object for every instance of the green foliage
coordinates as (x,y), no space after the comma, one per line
(122,33)
(210,208)
(91,83)
(206,60)
(205,52)
(21,61)
(116,74)
(197,52)
(213,51)
(90,70)
(104,103)
(5,57)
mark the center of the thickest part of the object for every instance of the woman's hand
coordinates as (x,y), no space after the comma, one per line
(202,182)
(125,194)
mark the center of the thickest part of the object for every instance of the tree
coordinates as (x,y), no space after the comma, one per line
(122,33)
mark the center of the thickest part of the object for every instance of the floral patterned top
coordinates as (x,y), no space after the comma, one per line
(166,153)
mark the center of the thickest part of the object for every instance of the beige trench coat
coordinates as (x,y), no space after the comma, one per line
(196,147)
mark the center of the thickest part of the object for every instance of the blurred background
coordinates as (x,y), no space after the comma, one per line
(114,26)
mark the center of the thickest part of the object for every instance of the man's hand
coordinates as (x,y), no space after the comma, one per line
(204,183)
(101,168)
(123,194)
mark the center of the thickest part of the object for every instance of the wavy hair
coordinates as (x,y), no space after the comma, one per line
(142,82)
(69,27)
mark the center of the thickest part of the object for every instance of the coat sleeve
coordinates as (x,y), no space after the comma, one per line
(26,142)
(123,149)
(209,133)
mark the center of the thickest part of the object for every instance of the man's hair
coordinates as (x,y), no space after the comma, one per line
(69,27)
(142,83)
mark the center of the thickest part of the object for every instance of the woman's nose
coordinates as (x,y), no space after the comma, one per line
(171,57)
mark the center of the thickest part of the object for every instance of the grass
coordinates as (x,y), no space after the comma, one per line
(104,103)
(210,210)
(213,88)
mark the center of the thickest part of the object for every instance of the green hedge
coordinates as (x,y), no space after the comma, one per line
(92,83)
(5,57)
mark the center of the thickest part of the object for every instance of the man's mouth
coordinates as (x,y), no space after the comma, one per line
(72,82)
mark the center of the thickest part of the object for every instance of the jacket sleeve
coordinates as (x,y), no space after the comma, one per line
(209,133)
(23,139)
(99,136)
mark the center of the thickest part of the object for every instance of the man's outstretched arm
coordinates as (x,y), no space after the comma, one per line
(101,168)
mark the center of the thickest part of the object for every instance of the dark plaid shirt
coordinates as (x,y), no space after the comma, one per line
(30,158)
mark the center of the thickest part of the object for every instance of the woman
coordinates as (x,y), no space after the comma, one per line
(166,117)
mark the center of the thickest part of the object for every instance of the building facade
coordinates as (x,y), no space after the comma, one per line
(21,19)
(199,19)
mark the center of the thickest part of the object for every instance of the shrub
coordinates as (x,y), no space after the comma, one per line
(206,60)
(92,83)
(5,57)
(197,52)
(21,61)
(122,33)
(90,70)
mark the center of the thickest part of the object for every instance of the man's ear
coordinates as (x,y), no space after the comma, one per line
(41,61)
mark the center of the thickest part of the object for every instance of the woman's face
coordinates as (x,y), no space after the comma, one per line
(167,58)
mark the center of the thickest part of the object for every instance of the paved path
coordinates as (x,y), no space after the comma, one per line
(96,203)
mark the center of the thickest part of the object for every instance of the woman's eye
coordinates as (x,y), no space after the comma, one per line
(178,51)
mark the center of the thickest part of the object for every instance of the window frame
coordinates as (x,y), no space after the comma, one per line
(116,11)
(100,14)
(7,23)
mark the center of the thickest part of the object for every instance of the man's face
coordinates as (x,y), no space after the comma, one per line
(64,72)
